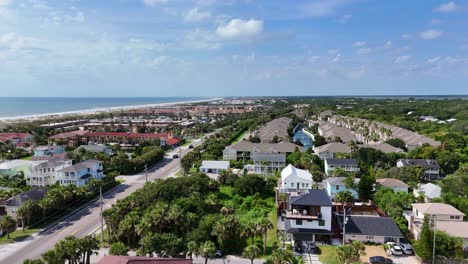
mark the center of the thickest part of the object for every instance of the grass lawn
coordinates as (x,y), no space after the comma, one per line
(105,243)
(18,235)
(272,234)
(188,142)
(239,137)
(27,158)
(327,254)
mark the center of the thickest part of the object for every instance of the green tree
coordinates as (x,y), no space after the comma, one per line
(192,248)
(25,212)
(52,257)
(7,224)
(118,249)
(425,240)
(344,197)
(365,187)
(251,252)
(86,247)
(33,261)
(207,250)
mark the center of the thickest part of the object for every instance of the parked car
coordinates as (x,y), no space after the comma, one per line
(298,246)
(406,248)
(218,254)
(190,146)
(175,156)
(394,248)
(380,260)
(311,247)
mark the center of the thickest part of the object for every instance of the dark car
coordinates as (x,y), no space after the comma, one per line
(311,247)
(298,247)
(218,253)
(380,260)
(190,146)
(175,156)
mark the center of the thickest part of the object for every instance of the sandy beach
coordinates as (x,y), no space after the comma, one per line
(29,118)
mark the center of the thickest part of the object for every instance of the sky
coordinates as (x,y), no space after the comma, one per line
(121,48)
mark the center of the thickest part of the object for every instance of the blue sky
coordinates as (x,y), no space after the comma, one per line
(232,47)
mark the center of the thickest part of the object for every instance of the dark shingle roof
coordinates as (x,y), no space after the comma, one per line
(142,260)
(421,162)
(35,194)
(372,226)
(342,161)
(294,230)
(314,197)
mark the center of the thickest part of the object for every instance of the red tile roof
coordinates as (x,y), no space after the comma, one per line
(66,135)
(7,136)
(125,135)
(173,141)
(142,260)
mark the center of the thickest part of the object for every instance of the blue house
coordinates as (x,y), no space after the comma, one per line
(336,184)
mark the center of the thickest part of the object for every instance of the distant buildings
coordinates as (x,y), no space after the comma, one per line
(431,167)
(347,165)
(331,149)
(96,148)
(276,128)
(16,138)
(42,151)
(293,178)
(384,147)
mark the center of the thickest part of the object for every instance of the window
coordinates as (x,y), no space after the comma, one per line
(452,217)
(321,222)
(337,187)
(298,221)
(307,185)
(457,217)
(369,237)
(303,184)
(292,184)
(308,220)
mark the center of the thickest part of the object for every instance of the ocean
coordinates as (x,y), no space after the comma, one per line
(14,107)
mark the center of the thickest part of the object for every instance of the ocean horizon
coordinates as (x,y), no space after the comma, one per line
(17,107)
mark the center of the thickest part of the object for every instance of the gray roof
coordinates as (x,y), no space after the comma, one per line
(313,197)
(372,226)
(384,147)
(339,180)
(94,148)
(421,162)
(335,147)
(276,127)
(35,194)
(52,163)
(342,161)
(80,166)
(391,183)
(289,229)
(282,147)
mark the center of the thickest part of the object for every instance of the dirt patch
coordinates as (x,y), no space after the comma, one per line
(373,251)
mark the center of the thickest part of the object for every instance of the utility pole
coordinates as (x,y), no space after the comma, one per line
(102,217)
(146,173)
(344,223)
(434,221)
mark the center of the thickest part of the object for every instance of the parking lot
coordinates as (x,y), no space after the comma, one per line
(379,251)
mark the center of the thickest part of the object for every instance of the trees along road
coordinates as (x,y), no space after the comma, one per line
(86,220)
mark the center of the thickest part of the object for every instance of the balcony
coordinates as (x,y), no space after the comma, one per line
(295,214)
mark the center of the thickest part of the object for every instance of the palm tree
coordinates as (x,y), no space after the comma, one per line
(251,252)
(192,248)
(52,257)
(118,249)
(7,223)
(263,226)
(33,261)
(207,250)
(88,246)
(344,197)
(25,212)
(68,249)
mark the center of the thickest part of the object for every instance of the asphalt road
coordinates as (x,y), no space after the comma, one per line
(86,220)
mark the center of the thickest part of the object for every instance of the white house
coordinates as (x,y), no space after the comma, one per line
(47,172)
(428,190)
(214,166)
(80,173)
(394,184)
(309,216)
(293,178)
(348,165)
(96,148)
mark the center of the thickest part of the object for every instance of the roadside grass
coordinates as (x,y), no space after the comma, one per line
(188,142)
(105,242)
(27,158)
(327,254)
(18,235)
(238,137)
(272,234)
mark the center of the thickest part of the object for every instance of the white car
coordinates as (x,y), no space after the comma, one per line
(394,249)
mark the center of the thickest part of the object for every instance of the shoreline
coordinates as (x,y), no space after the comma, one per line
(38,117)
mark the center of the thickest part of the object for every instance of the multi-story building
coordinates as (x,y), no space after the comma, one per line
(47,172)
(80,173)
(431,167)
(335,185)
(41,151)
(295,179)
(348,165)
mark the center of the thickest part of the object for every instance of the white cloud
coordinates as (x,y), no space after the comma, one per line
(364,50)
(446,8)
(333,51)
(405,36)
(431,34)
(154,2)
(433,60)
(79,17)
(201,39)
(160,60)
(238,29)
(337,58)
(402,59)
(195,15)
(313,59)
(5,2)
(388,45)
(359,44)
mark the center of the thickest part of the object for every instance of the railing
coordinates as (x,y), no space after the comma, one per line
(290,214)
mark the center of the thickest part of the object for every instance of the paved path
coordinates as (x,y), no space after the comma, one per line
(86,220)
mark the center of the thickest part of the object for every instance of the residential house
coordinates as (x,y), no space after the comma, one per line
(46,173)
(348,165)
(41,151)
(431,167)
(394,184)
(309,216)
(331,149)
(71,138)
(332,132)
(16,138)
(370,229)
(80,173)
(96,148)
(384,147)
(335,185)
(325,115)
(429,191)
(214,166)
(456,229)
(14,203)
(440,211)
(13,167)
(108,259)
(293,178)
(267,157)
